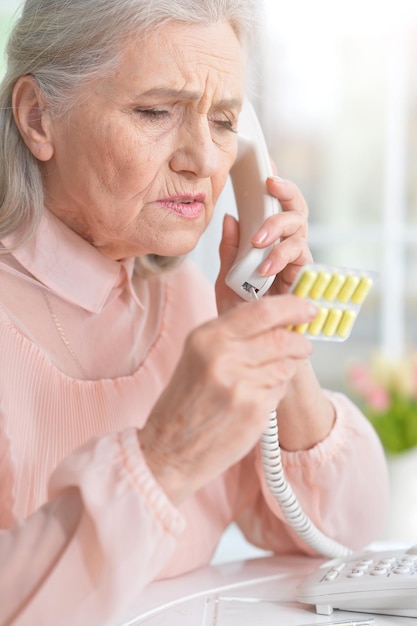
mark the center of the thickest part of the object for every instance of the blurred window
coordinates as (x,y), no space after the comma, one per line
(336,92)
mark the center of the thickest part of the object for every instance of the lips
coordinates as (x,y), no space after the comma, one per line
(188,206)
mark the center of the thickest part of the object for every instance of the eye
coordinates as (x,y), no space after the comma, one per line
(224,120)
(153,114)
(226,124)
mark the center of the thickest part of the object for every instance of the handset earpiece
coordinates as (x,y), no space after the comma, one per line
(254,205)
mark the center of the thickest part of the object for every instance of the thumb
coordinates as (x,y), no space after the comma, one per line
(226,298)
(229,244)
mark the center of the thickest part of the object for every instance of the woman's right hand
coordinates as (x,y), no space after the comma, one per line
(233,371)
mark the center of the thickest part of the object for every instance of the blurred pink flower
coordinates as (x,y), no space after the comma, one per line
(378,398)
(360,377)
(386,391)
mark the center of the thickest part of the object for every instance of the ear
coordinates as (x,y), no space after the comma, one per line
(31,118)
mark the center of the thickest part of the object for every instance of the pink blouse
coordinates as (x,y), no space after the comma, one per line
(86,348)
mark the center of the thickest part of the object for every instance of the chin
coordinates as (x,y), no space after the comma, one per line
(169,244)
(181,246)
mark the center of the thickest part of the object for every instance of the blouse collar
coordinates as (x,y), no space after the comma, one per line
(70,266)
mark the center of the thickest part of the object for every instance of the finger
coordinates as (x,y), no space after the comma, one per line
(293,250)
(250,319)
(272,347)
(255,395)
(277,374)
(229,243)
(288,194)
(294,215)
(280,226)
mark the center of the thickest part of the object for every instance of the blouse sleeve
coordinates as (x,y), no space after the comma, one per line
(105,533)
(341,485)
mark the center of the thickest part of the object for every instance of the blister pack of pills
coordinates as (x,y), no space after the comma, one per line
(338,293)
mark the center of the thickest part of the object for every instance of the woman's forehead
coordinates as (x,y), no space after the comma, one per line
(192,58)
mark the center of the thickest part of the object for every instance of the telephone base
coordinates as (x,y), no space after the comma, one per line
(381,582)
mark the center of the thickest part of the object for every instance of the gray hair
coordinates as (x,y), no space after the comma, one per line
(64,44)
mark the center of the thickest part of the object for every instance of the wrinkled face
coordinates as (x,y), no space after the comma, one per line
(140,161)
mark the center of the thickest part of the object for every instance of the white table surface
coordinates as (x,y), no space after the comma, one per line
(254,592)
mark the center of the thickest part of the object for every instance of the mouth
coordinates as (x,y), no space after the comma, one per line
(188,206)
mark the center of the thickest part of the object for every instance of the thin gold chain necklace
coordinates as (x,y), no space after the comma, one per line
(61,333)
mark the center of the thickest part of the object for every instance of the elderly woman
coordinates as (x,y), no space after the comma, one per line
(131,397)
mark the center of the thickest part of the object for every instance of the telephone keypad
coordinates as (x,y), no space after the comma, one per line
(403,566)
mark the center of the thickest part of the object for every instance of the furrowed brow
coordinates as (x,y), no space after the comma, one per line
(165,92)
(188,95)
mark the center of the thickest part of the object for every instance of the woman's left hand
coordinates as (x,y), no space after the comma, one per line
(289,228)
(305,414)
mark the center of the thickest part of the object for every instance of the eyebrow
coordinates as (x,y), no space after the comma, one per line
(183,94)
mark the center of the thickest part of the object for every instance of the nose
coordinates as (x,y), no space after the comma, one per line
(196,154)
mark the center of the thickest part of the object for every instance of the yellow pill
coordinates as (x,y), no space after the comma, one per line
(334,286)
(346,323)
(362,290)
(301,328)
(348,288)
(320,285)
(332,322)
(317,324)
(304,284)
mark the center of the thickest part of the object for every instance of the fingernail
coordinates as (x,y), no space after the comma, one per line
(312,310)
(260,236)
(265,267)
(277,179)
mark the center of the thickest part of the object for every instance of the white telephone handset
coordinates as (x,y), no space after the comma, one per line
(254,205)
